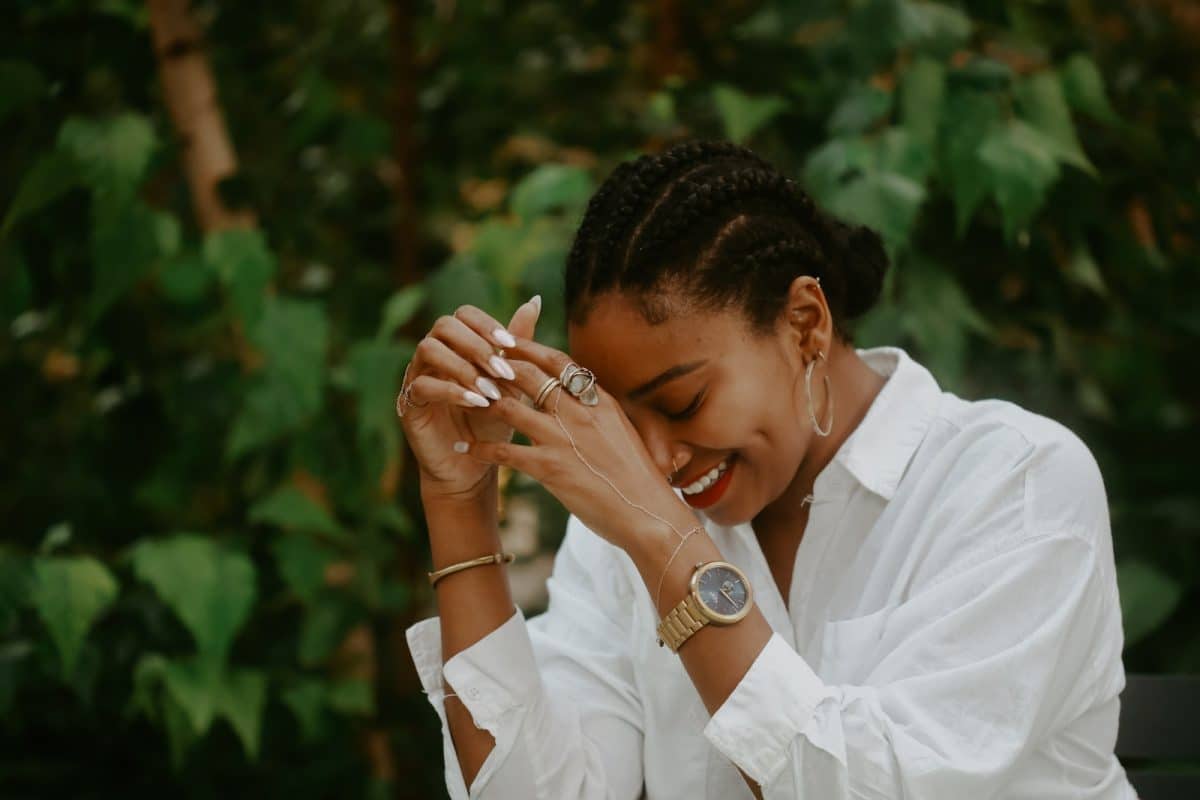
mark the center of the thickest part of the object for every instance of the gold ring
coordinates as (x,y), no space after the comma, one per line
(545,391)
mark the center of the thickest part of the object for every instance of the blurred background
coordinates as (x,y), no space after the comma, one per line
(224,224)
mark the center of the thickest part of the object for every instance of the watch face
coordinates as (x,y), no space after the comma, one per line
(723,591)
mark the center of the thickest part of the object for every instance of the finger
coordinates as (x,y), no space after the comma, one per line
(485,325)
(428,389)
(467,342)
(434,356)
(526,458)
(530,378)
(551,361)
(525,318)
(539,427)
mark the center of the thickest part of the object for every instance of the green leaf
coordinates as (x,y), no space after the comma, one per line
(352,697)
(185,279)
(461,280)
(1148,598)
(245,265)
(69,594)
(939,316)
(1021,167)
(897,150)
(302,563)
(306,700)
(376,369)
(859,110)
(51,176)
(968,120)
(127,240)
(400,308)
(1083,270)
(922,92)
(324,627)
(883,201)
(209,586)
(931,27)
(1083,87)
(834,163)
(20,85)
(291,509)
(241,698)
(983,74)
(292,335)
(113,153)
(743,115)
(180,736)
(1042,103)
(192,683)
(549,187)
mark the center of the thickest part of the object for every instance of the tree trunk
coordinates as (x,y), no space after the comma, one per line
(190,94)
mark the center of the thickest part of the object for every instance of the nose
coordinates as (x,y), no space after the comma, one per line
(668,454)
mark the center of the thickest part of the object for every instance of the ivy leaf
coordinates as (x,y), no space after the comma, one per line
(922,92)
(1083,87)
(306,701)
(113,153)
(51,176)
(127,240)
(376,369)
(931,27)
(292,335)
(209,586)
(241,697)
(834,163)
(461,280)
(352,697)
(291,509)
(1148,598)
(939,316)
(69,594)
(245,265)
(324,626)
(302,563)
(399,309)
(550,187)
(192,683)
(1042,103)
(883,201)
(861,108)
(1021,167)
(969,119)
(744,115)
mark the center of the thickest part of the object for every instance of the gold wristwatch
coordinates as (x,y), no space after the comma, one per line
(718,593)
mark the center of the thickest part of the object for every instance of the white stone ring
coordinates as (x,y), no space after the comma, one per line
(580,382)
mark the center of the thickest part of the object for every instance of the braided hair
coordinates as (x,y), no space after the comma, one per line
(712,222)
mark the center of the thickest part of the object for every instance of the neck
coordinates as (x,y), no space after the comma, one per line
(855,386)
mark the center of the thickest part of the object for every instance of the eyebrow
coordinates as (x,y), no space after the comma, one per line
(671,374)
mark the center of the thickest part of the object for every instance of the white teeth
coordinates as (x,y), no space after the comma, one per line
(706,480)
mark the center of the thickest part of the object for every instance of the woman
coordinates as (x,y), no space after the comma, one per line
(898,593)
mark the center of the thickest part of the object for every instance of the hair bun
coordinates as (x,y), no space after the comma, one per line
(863,261)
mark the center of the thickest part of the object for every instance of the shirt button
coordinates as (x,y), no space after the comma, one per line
(473,692)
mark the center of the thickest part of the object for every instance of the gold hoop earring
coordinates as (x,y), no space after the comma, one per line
(828,395)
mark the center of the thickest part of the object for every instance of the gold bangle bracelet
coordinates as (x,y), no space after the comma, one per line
(494,558)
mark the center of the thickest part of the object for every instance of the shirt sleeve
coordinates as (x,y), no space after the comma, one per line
(556,691)
(958,682)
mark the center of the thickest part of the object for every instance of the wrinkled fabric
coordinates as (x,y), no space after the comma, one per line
(952,631)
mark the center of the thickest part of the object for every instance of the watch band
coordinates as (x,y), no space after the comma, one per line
(680,623)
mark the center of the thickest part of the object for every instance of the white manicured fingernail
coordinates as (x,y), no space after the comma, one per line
(504,338)
(487,387)
(502,368)
(461,447)
(537,301)
(476,399)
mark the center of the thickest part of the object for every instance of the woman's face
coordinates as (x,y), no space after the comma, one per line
(704,388)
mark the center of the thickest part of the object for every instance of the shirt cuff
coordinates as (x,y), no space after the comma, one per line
(769,707)
(491,677)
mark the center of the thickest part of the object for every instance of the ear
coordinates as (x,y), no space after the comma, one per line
(807,319)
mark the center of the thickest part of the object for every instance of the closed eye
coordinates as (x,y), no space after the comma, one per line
(689,411)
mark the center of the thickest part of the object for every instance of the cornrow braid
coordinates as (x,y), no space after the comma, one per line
(721,225)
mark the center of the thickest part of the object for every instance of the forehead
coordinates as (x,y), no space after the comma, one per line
(625,351)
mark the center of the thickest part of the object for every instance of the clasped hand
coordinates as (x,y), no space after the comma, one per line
(590,457)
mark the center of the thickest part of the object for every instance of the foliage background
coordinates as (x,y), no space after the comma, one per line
(212,546)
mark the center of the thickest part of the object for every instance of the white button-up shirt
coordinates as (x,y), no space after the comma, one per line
(952,631)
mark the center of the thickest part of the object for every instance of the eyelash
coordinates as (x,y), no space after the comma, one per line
(689,411)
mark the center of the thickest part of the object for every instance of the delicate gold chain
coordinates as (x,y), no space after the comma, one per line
(658,594)
(600,475)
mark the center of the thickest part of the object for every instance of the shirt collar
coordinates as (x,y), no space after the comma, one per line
(878,451)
